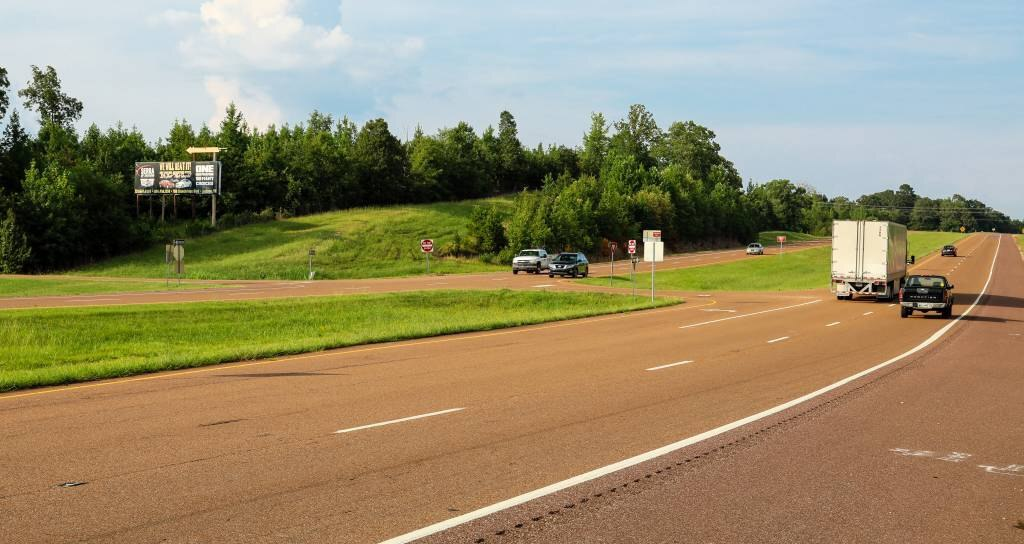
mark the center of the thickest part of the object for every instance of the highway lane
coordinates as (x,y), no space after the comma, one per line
(250,451)
(927,451)
(252,290)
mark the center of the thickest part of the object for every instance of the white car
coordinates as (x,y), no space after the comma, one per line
(755,249)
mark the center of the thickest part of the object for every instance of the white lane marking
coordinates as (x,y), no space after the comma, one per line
(890,306)
(779,339)
(719,310)
(833,324)
(868,313)
(545,285)
(669,448)
(703,295)
(741,316)
(400,420)
(669,365)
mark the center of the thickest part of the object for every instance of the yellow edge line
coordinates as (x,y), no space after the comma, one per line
(333,352)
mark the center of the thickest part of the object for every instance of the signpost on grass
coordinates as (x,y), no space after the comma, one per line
(174,257)
(781,239)
(427,247)
(312,252)
(612,247)
(654,252)
(631,248)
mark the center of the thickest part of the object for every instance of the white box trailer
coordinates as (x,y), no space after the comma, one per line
(869,258)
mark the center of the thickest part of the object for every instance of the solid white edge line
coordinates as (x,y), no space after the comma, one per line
(779,339)
(643,457)
(833,324)
(400,420)
(669,365)
(747,315)
(868,313)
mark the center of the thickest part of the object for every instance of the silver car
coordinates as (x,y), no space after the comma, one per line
(755,249)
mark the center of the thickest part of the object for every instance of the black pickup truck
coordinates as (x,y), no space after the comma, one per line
(926,294)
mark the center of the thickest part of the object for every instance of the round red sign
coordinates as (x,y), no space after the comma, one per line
(427,246)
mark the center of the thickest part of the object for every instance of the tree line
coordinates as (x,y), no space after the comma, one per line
(67,198)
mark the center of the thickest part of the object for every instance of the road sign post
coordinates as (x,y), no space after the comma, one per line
(611,278)
(781,240)
(654,251)
(427,247)
(632,272)
(312,252)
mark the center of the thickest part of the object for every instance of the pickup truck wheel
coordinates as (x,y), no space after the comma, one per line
(515,271)
(585,273)
(948,312)
(905,312)
(551,275)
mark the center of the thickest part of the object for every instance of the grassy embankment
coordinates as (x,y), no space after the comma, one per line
(795,271)
(768,237)
(57,346)
(54,286)
(357,243)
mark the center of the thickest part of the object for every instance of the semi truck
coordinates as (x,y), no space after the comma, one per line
(869,259)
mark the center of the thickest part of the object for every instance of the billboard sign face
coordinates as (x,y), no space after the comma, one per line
(177,177)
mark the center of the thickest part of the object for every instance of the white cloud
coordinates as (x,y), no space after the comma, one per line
(258,107)
(262,35)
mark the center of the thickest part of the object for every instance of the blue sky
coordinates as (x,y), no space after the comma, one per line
(848,97)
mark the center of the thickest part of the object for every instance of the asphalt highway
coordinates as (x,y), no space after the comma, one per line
(386,442)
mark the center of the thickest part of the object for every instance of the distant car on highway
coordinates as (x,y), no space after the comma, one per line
(926,294)
(569,264)
(755,249)
(531,260)
(949,251)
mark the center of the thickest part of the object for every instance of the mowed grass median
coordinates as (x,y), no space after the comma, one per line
(59,346)
(790,271)
(43,286)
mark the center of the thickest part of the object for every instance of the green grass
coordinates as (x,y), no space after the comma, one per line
(767,238)
(57,346)
(792,271)
(1020,240)
(923,243)
(357,243)
(37,287)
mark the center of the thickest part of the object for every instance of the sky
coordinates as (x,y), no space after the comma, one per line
(847,97)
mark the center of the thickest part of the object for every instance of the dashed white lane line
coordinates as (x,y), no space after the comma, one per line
(741,316)
(890,306)
(669,365)
(400,420)
(868,313)
(779,339)
(545,285)
(718,310)
(833,324)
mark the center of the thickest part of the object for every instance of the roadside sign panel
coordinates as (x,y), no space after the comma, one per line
(427,246)
(652,236)
(631,247)
(177,177)
(654,252)
(780,239)
(613,246)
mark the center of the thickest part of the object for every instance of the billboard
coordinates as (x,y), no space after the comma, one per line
(177,177)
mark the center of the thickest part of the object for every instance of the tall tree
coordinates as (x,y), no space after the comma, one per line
(15,154)
(694,148)
(44,95)
(381,164)
(595,145)
(510,167)
(637,134)
(5,84)
(14,249)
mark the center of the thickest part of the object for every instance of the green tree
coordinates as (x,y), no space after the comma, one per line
(637,134)
(595,145)
(5,85)
(14,249)
(44,95)
(510,160)
(15,154)
(693,147)
(382,167)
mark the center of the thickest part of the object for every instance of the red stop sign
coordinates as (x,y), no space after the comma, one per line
(427,246)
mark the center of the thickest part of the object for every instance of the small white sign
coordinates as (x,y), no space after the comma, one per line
(631,246)
(652,236)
